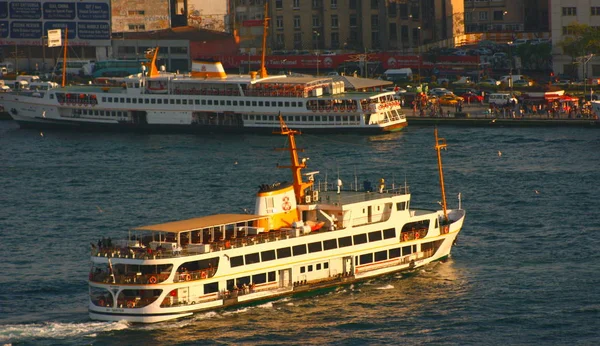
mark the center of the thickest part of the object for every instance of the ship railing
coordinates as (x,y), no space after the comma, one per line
(330,196)
(413,234)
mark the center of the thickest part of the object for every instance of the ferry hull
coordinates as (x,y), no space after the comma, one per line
(40,123)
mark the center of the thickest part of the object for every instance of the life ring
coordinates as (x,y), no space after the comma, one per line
(152,280)
(188,277)
(131,304)
(203,275)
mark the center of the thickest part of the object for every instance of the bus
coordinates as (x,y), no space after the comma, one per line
(118,68)
(74,67)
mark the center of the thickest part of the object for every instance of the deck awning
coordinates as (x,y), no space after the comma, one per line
(200,222)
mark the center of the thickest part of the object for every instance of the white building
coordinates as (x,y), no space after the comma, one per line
(562,14)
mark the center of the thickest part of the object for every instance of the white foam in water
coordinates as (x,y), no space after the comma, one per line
(11,333)
(268,305)
(387,287)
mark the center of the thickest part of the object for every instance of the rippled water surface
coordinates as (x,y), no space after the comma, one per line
(524,272)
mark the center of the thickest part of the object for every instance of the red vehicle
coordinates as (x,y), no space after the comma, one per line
(471,97)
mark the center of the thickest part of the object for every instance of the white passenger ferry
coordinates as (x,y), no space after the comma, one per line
(302,237)
(209,100)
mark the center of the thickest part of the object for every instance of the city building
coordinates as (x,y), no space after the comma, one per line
(563,13)
(148,15)
(401,25)
(506,16)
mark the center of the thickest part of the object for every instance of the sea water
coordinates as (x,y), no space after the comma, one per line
(524,270)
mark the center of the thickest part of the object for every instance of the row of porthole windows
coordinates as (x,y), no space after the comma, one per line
(303,249)
(203,102)
(303,118)
(318,266)
(384,255)
(101,113)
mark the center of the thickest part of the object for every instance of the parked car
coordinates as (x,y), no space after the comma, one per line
(450,100)
(522,83)
(472,97)
(489,82)
(439,91)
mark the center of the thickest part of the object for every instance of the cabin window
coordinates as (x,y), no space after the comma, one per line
(252,258)
(406,250)
(251,116)
(297,118)
(236,261)
(389,233)
(366,258)
(184,101)
(128,100)
(271,276)
(110,99)
(122,100)
(360,239)
(228,102)
(401,206)
(293,103)
(299,249)
(153,101)
(314,247)
(302,270)
(135,100)
(280,104)
(178,101)
(222,103)
(329,244)
(394,253)
(203,102)
(197,102)
(284,252)
(287,103)
(235,103)
(268,103)
(248,103)
(304,118)
(260,103)
(326,265)
(259,278)
(310,268)
(375,236)
(381,256)
(159,101)
(345,241)
(267,255)
(244,280)
(103,98)
(211,287)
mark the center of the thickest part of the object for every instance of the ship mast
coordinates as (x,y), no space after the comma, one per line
(64,70)
(440,143)
(263,69)
(296,166)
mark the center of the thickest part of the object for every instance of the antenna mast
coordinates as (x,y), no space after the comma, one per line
(263,69)
(440,143)
(64,71)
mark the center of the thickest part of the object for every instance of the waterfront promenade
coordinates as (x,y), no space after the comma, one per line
(479,115)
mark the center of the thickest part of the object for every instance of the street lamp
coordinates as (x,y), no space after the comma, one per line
(317,35)
(510,57)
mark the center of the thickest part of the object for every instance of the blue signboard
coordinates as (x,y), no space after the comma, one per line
(3,28)
(93,11)
(25,10)
(27,21)
(28,30)
(3,9)
(59,10)
(62,25)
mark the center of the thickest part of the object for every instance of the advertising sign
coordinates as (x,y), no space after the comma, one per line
(26,22)
(54,38)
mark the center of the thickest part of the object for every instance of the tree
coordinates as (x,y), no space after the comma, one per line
(581,39)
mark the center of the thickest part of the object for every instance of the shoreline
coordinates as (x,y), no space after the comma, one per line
(491,121)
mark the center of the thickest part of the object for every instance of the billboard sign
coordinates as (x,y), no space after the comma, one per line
(54,38)
(26,22)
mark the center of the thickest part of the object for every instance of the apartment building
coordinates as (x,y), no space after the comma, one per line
(148,15)
(563,13)
(303,25)
(516,16)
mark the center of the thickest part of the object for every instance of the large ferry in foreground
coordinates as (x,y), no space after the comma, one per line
(209,100)
(302,236)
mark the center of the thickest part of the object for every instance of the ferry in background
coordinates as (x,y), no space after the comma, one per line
(302,236)
(117,68)
(208,99)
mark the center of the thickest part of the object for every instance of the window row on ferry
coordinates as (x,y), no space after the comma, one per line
(203,102)
(303,118)
(302,249)
(117,114)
